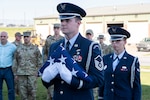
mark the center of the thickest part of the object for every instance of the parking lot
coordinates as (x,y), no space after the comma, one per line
(144,57)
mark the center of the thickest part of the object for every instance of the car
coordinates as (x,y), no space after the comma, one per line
(144,44)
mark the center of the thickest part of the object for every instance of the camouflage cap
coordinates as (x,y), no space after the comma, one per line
(89,31)
(27,33)
(100,37)
(57,25)
(18,34)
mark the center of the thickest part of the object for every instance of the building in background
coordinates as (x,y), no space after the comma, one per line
(135,18)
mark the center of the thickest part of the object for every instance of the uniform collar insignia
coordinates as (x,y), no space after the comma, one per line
(124,57)
(75,45)
(63,6)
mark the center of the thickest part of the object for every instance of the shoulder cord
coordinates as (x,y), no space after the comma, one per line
(133,71)
(89,56)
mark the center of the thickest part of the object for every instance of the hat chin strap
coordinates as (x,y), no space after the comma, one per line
(117,37)
(67,17)
(69,14)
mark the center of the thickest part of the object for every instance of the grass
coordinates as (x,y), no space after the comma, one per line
(41,91)
(12,30)
(145,85)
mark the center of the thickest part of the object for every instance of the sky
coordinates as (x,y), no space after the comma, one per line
(24,11)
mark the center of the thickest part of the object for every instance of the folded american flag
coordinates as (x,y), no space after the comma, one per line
(60,55)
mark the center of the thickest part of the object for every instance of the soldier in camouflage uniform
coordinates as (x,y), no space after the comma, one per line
(27,61)
(51,39)
(106,49)
(17,42)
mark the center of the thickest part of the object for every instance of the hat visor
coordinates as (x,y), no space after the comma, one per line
(113,38)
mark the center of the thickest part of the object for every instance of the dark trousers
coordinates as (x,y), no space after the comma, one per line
(7,75)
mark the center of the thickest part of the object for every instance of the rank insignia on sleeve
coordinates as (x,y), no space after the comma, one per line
(98,62)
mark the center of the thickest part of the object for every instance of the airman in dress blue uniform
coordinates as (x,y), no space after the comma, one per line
(68,87)
(121,70)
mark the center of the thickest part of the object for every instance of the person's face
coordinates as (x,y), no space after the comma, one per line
(56,30)
(70,26)
(101,40)
(18,38)
(89,36)
(118,45)
(27,39)
(3,37)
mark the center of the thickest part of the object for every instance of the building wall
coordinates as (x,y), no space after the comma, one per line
(137,24)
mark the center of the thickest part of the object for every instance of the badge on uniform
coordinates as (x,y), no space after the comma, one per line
(124,68)
(98,63)
(77,58)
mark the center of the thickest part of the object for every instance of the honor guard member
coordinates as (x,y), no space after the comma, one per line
(106,49)
(67,86)
(27,61)
(121,70)
(17,42)
(49,41)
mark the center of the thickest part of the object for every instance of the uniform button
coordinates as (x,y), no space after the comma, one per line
(112,90)
(112,82)
(112,75)
(61,92)
(62,82)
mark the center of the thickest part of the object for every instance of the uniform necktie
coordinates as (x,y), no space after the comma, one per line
(67,45)
(115,62)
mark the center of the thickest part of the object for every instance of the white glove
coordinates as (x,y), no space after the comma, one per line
(50,72)
(65,73)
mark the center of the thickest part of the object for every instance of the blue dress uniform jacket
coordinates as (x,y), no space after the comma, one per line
(79,51)
(117,84)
